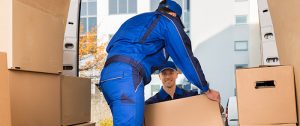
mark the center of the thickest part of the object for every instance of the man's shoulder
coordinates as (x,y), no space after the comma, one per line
(153,99)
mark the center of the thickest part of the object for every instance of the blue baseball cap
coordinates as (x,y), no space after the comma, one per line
(168,65)
(173,6)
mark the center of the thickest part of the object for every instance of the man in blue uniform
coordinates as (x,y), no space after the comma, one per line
(168,74)
(142,44)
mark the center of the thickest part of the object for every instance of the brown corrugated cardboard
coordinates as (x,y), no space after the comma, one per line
(266,95)
(40,99)
(286,18)
(191,111)
(76,100)
(35,98)
(33,34)
(5,113)
(86,124)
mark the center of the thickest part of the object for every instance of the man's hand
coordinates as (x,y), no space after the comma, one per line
(213,95)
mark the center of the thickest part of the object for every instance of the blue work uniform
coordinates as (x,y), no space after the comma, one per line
(142,44)
(162,95)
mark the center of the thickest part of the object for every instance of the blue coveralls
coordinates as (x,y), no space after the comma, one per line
(143,43)
(162,95)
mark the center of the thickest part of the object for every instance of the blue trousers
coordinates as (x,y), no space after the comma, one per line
(123,89)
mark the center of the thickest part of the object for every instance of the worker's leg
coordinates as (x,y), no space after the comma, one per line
(124,92)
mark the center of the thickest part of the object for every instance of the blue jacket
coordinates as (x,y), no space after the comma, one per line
(162,95)
(166,39)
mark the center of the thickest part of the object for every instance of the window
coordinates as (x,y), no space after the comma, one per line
(83,24)
(92,24)
(92,8)
(83,9)
(132,6)
(88,17)
(241,19)
(240,45)
(122,6)
(154,4)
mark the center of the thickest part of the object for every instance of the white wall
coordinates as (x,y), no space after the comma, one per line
(213,32)
(254,35)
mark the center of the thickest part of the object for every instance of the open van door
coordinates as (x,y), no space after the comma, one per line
(71,40)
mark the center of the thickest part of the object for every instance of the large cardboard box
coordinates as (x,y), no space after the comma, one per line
(286,18)
(40,99)
(76,100)
(32,34)
(266,95)
(191,111)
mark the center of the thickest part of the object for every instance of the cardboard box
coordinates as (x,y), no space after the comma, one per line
(266,95)
(40,99)
(31,98)
(5,113)
(76,100)
(86,124)
(286,18)
(191,111)
(33,34)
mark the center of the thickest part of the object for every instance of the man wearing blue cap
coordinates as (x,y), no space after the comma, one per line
(142,44)
(168,74)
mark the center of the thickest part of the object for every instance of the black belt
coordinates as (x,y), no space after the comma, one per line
(133,63)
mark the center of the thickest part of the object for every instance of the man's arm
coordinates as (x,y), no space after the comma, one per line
(178,45)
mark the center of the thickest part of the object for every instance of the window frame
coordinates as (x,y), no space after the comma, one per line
(241,41)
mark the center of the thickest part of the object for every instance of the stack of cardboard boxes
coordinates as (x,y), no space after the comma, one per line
(33,92)
(266,96)
(286,21)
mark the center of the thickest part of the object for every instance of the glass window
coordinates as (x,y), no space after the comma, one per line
(83,9)
(83,25)
(241,19)
(241,45)
(93,24)
(122,6)
(132,6)
(154,4)
(92,8)
(113,6)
